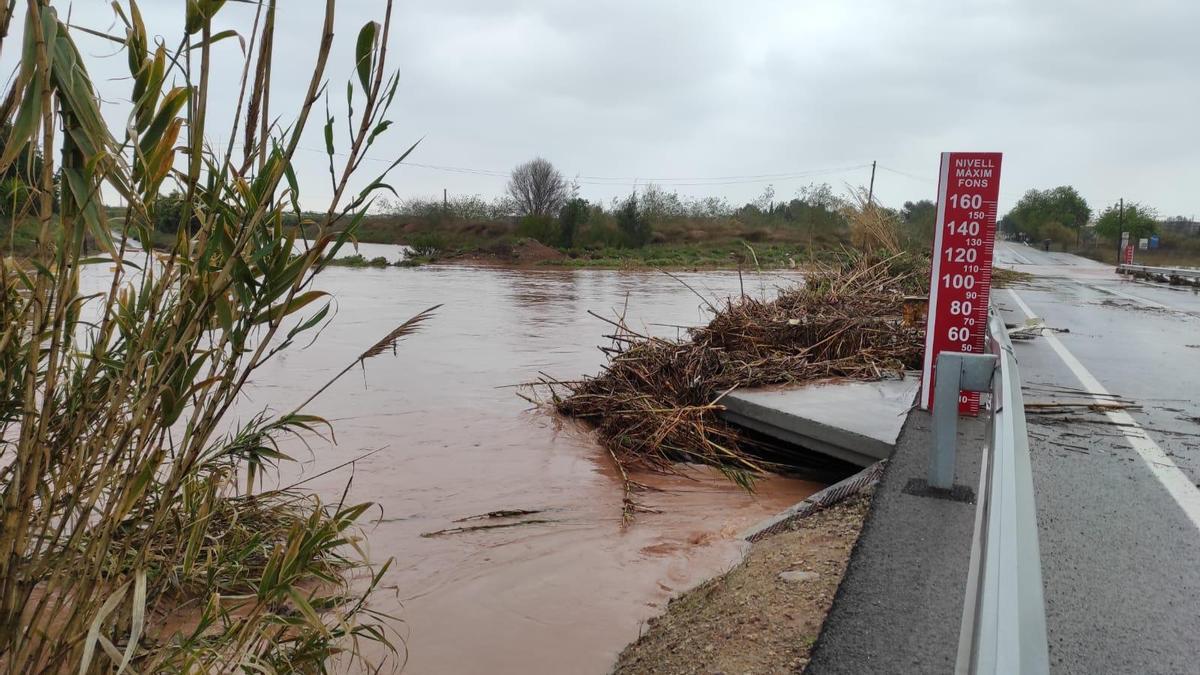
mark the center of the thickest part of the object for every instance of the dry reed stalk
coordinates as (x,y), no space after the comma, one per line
(872,227)
(657,402)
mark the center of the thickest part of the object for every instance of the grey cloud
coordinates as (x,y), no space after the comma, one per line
(1096,94)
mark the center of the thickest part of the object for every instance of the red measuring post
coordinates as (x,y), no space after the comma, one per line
(961,279)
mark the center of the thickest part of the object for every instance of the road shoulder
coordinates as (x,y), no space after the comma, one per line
(899,608)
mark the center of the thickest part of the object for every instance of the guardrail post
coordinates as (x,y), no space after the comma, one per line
(955,372)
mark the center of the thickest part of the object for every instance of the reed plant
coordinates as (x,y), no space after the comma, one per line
(135,534)
(872,227)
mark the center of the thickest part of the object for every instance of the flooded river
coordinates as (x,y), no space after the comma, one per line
(558,597)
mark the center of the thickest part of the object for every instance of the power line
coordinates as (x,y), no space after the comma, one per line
(745,177)
(448,169)
(701,182)
(906,174)
(629,181)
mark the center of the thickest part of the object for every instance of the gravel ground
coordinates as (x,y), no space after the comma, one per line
(765,614)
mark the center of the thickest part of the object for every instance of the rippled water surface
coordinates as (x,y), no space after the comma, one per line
(456,441)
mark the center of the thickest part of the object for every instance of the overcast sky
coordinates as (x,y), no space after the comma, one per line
(1099,95)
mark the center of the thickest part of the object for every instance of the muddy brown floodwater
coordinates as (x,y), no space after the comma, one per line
(557,597)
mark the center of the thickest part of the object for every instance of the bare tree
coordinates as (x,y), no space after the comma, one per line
(538,188)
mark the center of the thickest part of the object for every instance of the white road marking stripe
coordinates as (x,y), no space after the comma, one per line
(1021,303)
(1177,484)
(1020,258)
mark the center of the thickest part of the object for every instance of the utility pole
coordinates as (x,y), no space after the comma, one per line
(871,190)
(1120,229)
(445,201)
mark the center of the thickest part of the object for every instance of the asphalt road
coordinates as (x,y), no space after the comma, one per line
(1118,507)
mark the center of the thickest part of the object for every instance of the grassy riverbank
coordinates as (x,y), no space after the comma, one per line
(654,231)
(746,241)
(20,241)
(709,256)
(731,255)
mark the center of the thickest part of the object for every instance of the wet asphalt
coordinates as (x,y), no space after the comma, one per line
(1120,556)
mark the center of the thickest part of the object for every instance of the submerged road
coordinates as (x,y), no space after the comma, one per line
(1117,499)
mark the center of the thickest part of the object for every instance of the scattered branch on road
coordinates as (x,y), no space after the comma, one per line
(1059,407)
(1053,389)
(1032,328)
(1003,277)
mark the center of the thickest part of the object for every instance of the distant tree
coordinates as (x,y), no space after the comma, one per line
(707,207)
(542,228)
(816,208)
(820,195)
(1059,233)
(1007,224)
(571,218)
(657,204)
(919,212)
(167,213)
(538,188)
(459,207)
(918,219)
(765,201)
(1181,225)
(1136,219)
(750,211)
(18,183)
(1038,209)
(633,224)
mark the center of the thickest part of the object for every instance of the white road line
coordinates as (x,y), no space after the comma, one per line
(1177,484)
(1018,259)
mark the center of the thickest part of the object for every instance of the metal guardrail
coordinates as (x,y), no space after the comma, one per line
(1167,273)
(1004,615)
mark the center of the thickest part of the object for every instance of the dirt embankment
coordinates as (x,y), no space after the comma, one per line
(519,253)
(764,615)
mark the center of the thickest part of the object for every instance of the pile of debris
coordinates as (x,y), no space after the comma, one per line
(657,401)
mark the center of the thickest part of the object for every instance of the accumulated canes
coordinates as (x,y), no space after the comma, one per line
(656,403)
